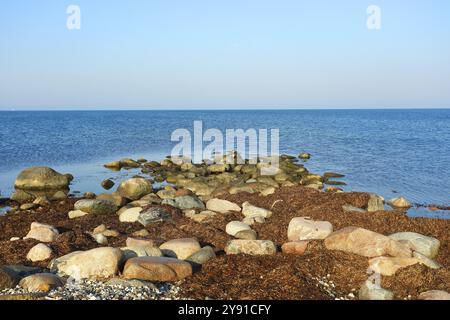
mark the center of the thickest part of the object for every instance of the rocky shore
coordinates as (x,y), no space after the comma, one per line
(216,230)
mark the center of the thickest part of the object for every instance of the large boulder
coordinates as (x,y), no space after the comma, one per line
(251,247)
(41,282)
(365,243)
(427,246)
(222,206)
(180,248)
(42,232)
(95,263)
(157,269)
(41,179)
(96,207)
(134,188)
(302,228)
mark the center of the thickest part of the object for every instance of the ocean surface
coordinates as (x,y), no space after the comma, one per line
(390,152)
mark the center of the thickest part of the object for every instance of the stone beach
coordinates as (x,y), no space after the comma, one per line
(216,230)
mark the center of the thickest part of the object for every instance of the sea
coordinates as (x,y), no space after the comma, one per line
(390,152)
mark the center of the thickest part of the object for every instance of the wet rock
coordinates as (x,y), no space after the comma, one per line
(166,194)
(251,247)
(295,247)
(333,175)
(41,282)
(95,263)
(42,232)
(130,215)
(129,163)
(250,210)
(12,274)
(304,155)
(134,188)
(371,291)
(234,227)
(427,246)
(302,228)
(222,206)
(44,179)
(107,184)
(180,248)
(434,295)
(152,215)
(399,203)
(96,207)
(39,252)
(157,269)
(113,165)
(365,243)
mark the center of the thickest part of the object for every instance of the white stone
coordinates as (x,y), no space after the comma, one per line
(427,246)
(302,228)
(222,206)
(76,214)
(42,232)
(130,215)
(234,227)
(39,252)
(251,210)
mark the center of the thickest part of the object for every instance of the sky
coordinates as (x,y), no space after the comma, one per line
(224,54)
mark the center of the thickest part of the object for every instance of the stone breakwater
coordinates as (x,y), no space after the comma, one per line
(216,230)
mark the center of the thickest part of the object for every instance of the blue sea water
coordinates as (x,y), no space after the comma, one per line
(390,152)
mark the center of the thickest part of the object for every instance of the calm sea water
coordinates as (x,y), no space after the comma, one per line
(389,152)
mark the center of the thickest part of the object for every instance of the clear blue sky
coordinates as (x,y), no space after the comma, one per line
(224,54)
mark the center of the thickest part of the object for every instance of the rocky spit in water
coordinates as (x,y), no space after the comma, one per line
(216,230)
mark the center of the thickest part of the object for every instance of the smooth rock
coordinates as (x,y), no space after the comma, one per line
(267,191)
(95,206)
(234,227)
(134,188)
(246,235)
(434,295)
(180,248)
(371,291)
(251,210)
(39,252)
(295,247)
(118,200)
(185,202)
(101,262)
(399,202)
(302,228)
(130,215)
(427,246)
(202,256)
(41,282)
(222,206)
(426,261)
(167,194)
(251,247)
(388,266)
(365,243)
(157,269)
(76,214)
(251,220)
(41,179)
(12,274)
(107,184)
(42,232)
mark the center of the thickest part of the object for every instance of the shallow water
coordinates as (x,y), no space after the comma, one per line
(390,152)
